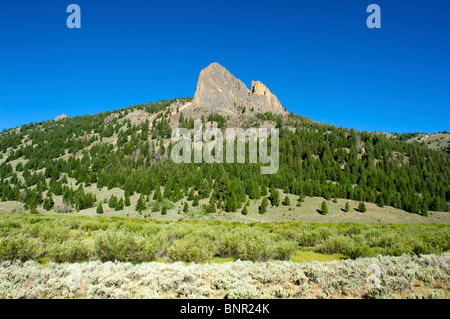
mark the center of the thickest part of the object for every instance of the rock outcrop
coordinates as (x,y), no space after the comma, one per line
(266,100)
(62,117)
(218,91)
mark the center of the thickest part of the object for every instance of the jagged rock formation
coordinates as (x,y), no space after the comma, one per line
(220,92)
(261,96)
(62,117)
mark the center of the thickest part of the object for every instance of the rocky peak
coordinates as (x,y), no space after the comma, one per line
(219,91)
(62,117)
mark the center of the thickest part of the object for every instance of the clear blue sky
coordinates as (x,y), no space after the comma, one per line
(318,57)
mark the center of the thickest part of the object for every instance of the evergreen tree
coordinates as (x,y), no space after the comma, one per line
(362,207)
(414,205)
(100,208)
(112,201)
(347,207)
(380,200)
(195,202)
(48,203)
(263,190)
(424,209)
(119,205)
(286,201)
(163,210)
(263,206)
(157,194)
(231,203)
(127,201)
(191,195)
(185,208)
(140,205)
(324,208)
(245,211)
(274,197)
(212,205)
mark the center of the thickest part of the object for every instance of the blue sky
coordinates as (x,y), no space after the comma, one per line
(318,57)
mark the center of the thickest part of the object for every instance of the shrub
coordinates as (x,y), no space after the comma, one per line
(285,249)
(258,248)
(19,247)
(192,249)
(308,238)
(118,245)
(335,245)
(70,251)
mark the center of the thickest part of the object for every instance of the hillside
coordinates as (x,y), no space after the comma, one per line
(437,141)
(118,163)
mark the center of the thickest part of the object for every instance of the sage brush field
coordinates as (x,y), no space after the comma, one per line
(109,257)
(398,277)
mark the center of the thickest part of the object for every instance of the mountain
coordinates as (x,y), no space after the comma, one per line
(121,159)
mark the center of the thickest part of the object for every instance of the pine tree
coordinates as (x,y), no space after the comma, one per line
(245,211)
(157,194)
(185,208)
(191,195)
(286,201)
(164,210)
(195,202)
(119,205)
(362,207)
(414,205)
(274,197)
(263,206)
(127,201)
(212,205)
(324,208)
(347,207)
(380,200)
(436,204)
(263,190)
(48,203)
(100,208)
(231,203)
(424,209)
(140,205)
(112,201)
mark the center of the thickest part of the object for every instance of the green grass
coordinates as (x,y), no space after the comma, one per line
(44,261)
(308,256)
(222,260)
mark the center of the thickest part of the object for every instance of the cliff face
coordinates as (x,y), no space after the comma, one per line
(264,99)
(220,92)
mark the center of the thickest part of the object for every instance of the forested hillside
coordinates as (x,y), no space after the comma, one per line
(129,149)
